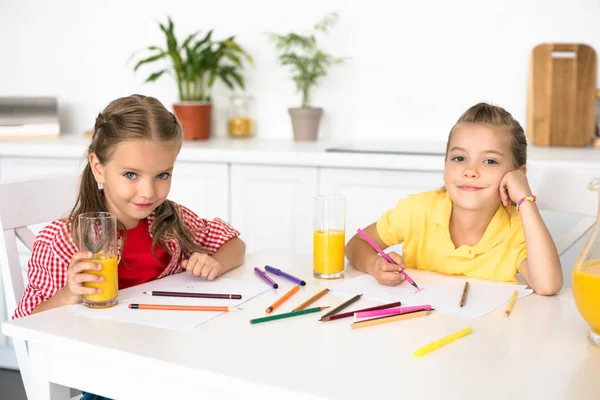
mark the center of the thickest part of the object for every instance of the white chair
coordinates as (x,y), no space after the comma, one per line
(568,208)
(24,203)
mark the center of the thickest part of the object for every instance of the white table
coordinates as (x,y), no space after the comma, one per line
(539,352)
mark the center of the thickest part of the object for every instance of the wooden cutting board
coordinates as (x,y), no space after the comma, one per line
(561,95)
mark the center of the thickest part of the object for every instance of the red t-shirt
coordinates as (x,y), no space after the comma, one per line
(137,264)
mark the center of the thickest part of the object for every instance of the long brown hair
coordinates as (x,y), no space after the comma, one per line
(129,118)
(484,113)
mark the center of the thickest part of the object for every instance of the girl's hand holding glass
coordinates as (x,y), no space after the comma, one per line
(76,276)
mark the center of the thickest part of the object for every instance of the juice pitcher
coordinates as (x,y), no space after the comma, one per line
(586,277)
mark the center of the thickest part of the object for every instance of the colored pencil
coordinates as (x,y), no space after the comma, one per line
(311,300)
(392,318)
(351,313)
(391,311)
(287,315)
(191,294)
(382,254)
(463,299)
(342,306)
(442,342)
(511,303)
(180,307)
(265,278)
(282,299)
(287,276)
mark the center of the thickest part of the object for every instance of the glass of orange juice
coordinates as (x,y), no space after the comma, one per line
(98,234)
(586,277)
(329,233)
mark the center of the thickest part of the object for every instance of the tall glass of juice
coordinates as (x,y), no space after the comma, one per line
(329,233)
(586,277)
(98,235)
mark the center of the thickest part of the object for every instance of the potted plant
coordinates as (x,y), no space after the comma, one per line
(308,64)
(196,65)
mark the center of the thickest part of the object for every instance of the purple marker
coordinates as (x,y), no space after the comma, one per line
(286,276)
(265,278)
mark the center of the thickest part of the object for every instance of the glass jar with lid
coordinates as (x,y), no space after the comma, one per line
(240,116)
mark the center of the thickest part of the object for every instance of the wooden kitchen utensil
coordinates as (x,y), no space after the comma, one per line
(561,95)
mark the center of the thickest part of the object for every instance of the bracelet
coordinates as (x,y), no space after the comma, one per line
(531,197)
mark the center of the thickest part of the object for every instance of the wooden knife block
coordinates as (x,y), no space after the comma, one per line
(561,95)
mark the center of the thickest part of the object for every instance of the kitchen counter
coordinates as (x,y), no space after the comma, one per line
(256,151)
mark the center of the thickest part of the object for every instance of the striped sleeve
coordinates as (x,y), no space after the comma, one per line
(208,233)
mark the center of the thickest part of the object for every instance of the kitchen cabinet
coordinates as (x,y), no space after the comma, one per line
(272,206)
(203,188)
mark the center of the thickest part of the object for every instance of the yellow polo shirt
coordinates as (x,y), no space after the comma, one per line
(421,222)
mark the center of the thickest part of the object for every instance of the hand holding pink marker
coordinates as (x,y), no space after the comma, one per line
(382,254)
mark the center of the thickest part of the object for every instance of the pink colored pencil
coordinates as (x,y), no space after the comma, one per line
(382,254)
(390,311)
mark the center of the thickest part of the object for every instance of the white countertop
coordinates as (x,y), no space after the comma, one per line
(311,154)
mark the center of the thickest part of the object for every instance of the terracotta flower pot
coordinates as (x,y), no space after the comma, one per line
(195,118)
(305,122)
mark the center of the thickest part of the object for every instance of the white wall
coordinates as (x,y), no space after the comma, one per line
(415,67)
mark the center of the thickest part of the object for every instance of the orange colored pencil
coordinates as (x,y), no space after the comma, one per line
(385,320)
(282,299)
(311,300)
(180,308)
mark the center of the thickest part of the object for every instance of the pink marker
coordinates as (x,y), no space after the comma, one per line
(382,254)
(391,311)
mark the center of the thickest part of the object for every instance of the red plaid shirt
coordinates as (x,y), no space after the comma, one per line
(54,247)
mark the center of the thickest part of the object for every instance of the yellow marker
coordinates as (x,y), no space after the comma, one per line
(428,348)
(511,303)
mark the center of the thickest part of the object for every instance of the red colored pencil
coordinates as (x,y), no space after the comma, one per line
(351,313)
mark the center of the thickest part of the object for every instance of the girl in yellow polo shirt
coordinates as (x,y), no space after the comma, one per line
(470,227)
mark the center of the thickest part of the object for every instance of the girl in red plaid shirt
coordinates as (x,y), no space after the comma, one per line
(130,162)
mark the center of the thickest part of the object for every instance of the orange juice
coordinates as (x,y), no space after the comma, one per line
(109,286)
(586,290)
(328,253)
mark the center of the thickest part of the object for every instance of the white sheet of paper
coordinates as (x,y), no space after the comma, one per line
(442,292)
(175,320)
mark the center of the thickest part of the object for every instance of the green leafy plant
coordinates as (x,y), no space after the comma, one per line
(308,63)
(197,63)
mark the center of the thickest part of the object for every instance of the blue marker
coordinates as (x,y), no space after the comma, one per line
(279,272)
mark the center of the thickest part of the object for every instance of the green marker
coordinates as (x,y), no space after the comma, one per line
(287,315)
